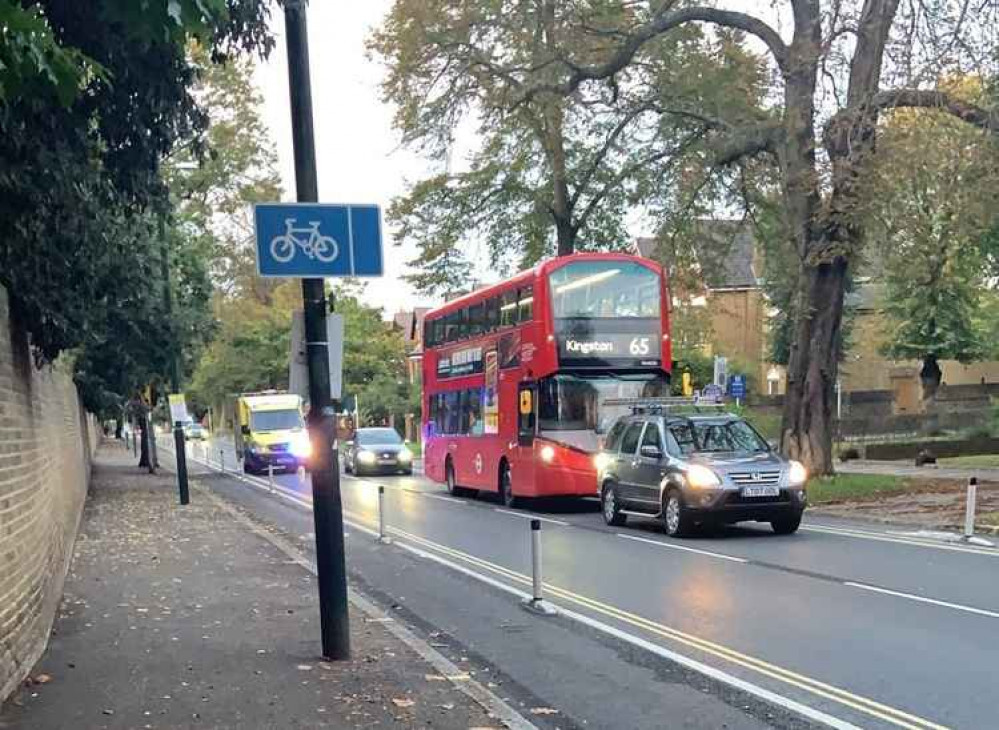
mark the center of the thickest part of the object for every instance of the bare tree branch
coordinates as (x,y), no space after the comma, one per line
(977,116)
(660,24)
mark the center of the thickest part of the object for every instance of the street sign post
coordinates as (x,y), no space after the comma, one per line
(313,239)
(737,387)
(316,241)
(298,366)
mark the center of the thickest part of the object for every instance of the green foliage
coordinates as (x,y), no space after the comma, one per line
(85,215)
(937,192)
(548,173)
(700,366)
(32,61)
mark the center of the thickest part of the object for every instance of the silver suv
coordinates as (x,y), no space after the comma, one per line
(690,470)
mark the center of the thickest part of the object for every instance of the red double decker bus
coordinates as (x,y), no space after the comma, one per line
(516,375)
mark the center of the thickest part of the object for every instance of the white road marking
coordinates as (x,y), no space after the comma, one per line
(766,695)
(442,498)
(886,537)
(924,599)
(530,516)
(660,543)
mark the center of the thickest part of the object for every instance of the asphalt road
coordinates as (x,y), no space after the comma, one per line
(853,624)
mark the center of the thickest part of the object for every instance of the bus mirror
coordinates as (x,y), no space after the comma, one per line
(526,402)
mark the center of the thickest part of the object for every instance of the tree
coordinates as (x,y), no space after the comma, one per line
(553,173)
(934,193)
(847,45)
(82,204)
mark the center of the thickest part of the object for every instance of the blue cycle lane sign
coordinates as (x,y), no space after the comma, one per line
(318,239)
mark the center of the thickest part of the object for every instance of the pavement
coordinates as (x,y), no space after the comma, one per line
(909,469)
(196,617)
(842,625)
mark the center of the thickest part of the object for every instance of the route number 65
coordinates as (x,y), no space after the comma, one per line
(639,346)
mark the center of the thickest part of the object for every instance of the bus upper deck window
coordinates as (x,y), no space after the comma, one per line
(525,304)
(508,309)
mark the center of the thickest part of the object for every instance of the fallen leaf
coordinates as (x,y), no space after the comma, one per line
(43,679)
(402,702)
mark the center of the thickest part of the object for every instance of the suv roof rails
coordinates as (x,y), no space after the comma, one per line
(663,405)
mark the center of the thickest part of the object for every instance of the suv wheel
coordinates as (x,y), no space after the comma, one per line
(676,517)
(786,525)
(610,507)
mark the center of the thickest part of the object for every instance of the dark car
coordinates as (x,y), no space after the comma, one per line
(377,451)
(690,470)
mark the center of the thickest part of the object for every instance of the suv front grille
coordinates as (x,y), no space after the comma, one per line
(762,478)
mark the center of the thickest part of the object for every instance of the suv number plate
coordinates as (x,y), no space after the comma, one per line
(761,491)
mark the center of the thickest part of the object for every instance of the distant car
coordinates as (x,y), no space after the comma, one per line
(194,432)
(691,470)
(377,451)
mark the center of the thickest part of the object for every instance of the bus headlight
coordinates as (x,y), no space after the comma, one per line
(797,474)
(547,454)
(405,454)
(701,477)
(366,457)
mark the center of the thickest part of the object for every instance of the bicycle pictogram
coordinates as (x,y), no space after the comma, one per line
(313,244)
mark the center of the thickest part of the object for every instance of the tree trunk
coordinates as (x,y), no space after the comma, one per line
(930,376)
(554,141)
(144,455)
(811,379)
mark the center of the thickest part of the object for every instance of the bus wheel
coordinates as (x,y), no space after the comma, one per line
(506,488)
(452,484)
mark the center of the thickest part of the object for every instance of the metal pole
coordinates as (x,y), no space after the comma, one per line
(382,533)
(180,447)
(327,510)
(969,509)
(270,476)
(222,460)
(537,603)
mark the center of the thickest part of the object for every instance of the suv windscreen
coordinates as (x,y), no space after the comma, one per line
(720,436)
(378,437)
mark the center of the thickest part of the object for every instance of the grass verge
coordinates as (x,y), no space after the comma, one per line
(975,460)
(849,487)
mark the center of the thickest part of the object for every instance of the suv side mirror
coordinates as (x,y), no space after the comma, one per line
(651,452)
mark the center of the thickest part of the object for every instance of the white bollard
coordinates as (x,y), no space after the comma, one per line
(270,476)
(383,537)
(969,509)
(537,603)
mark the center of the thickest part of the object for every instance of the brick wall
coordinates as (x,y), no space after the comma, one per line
(46,443)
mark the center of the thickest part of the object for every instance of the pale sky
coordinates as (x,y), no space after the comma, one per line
(358,155)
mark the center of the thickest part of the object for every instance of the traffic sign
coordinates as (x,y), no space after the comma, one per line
(318,239)
(737,386)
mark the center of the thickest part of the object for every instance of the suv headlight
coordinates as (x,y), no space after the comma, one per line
(797,474)
(405,454)
(701,477)
(366,457)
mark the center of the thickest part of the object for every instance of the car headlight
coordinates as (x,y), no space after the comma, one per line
(797,474)
(301,446)
(547,454)
(405,454)
(601,461)
(701,477)
(366,457)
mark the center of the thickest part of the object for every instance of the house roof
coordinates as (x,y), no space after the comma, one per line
(727,261)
